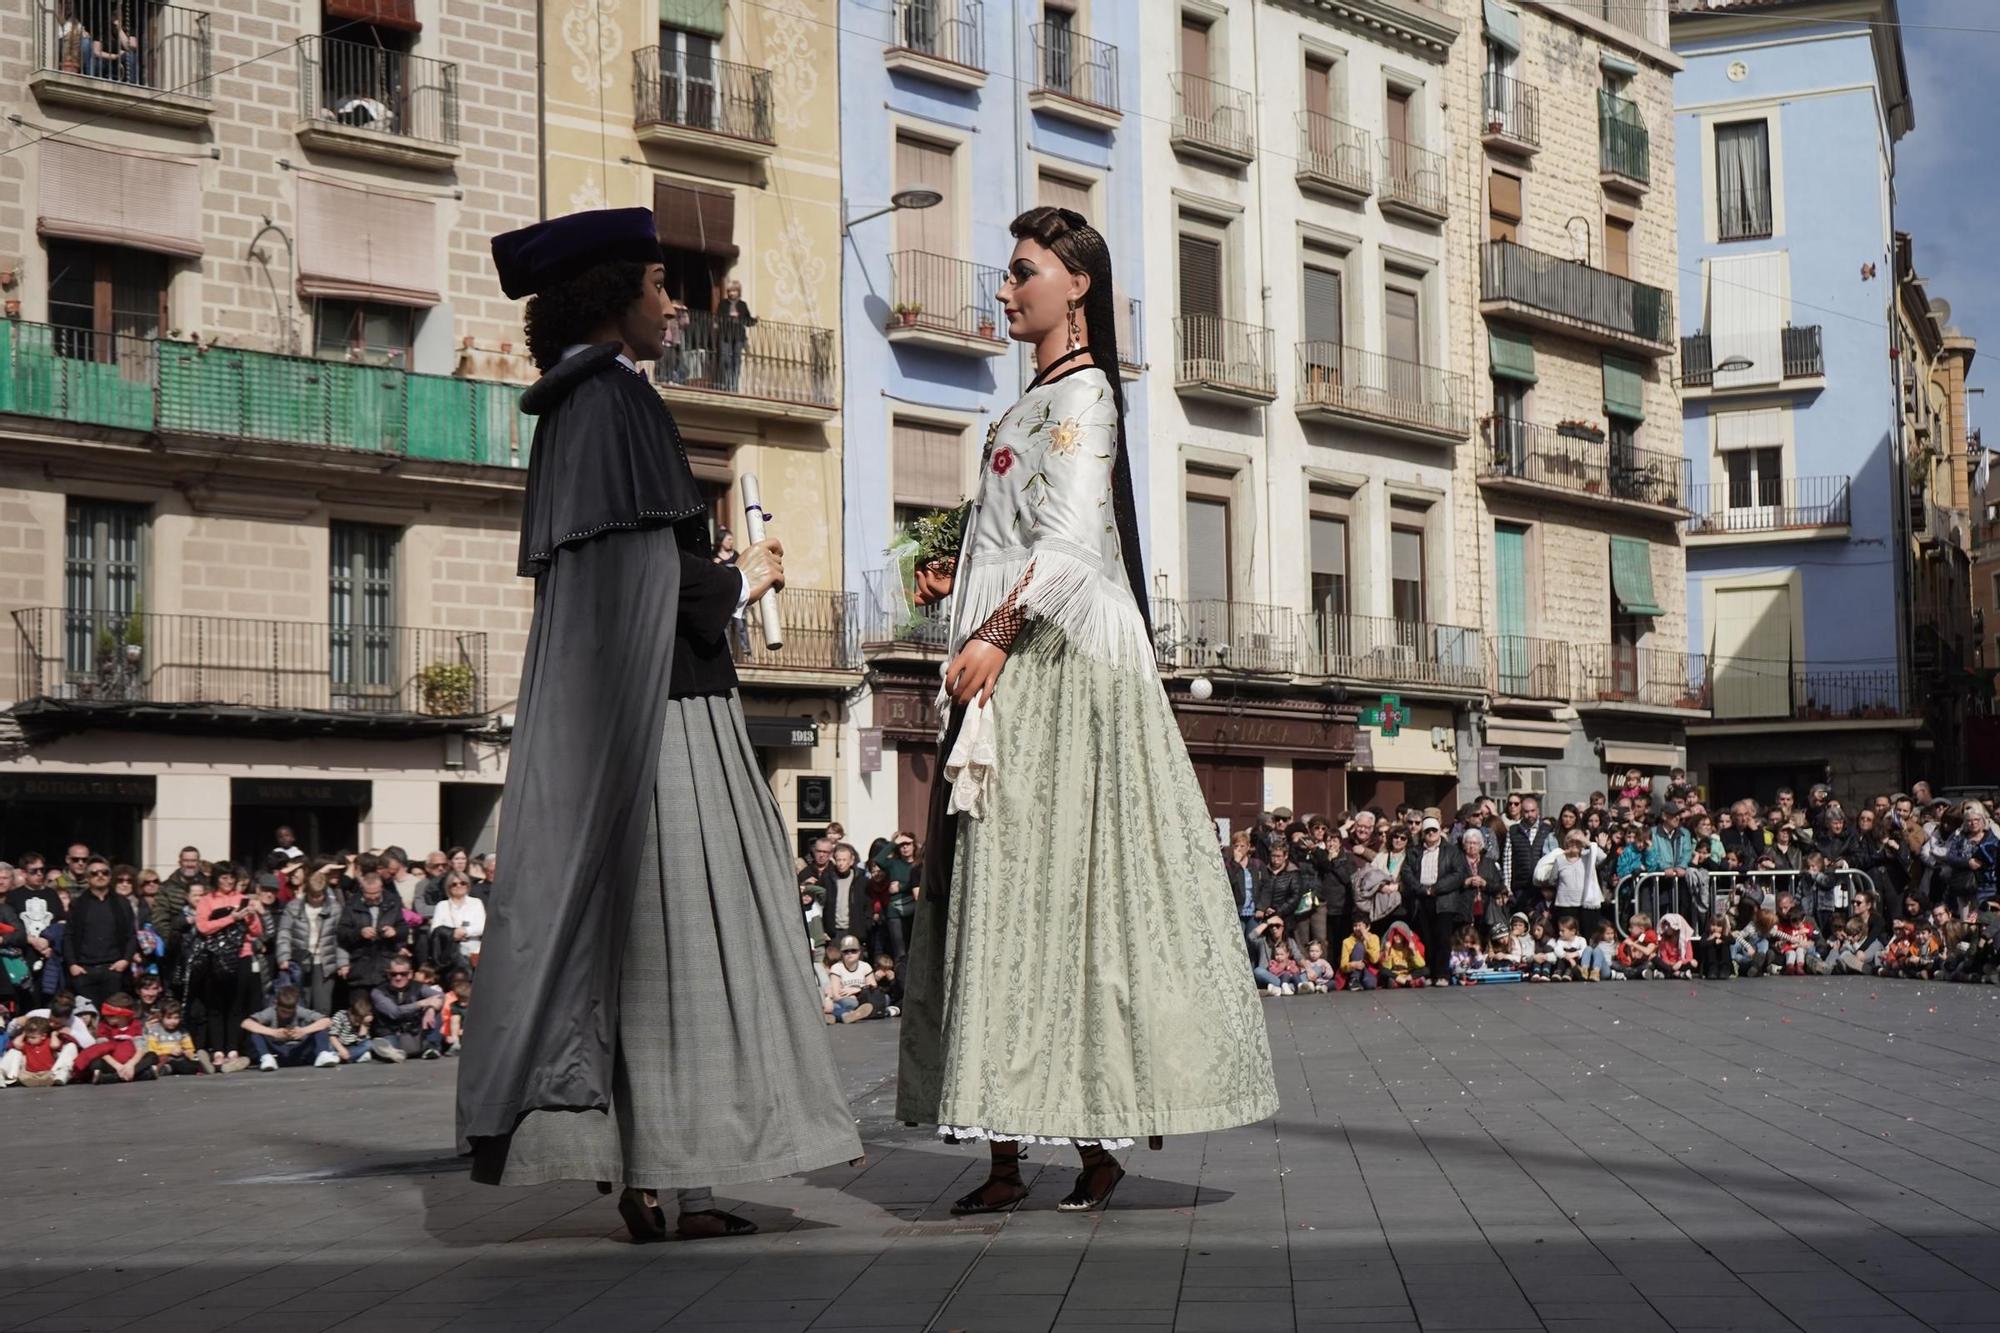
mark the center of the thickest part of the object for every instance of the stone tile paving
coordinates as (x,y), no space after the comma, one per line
(1810,1156)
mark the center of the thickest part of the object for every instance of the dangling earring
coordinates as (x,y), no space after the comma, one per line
(1075,340)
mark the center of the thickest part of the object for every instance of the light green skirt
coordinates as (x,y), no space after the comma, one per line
(1087,980)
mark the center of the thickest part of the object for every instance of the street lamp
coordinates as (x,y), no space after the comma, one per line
(916,198)
(1729,364)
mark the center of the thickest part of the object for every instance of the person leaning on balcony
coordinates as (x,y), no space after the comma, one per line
(733,322)
(608,1045)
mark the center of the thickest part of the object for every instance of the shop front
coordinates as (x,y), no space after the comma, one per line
(325,814)
(1405,753)
(46,812)
(1252,754)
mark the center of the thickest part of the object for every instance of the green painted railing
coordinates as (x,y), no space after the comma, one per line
(183,388)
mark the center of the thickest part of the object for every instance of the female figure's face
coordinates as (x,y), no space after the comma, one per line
(1037,293)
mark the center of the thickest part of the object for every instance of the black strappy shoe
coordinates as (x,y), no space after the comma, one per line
(642,1222)
(732,1225)
(977,1202)
(1080,1199)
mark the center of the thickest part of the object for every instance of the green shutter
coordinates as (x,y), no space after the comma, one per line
(1632,576)
(1512,354)
(703,16)
(1503,26)
(1624,388)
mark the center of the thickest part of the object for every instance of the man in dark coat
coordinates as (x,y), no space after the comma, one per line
(1523,851)
(647,1012)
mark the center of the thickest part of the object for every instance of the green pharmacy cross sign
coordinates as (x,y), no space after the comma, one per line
(1388,715)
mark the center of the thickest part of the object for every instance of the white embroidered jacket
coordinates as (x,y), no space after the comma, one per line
(1044,513)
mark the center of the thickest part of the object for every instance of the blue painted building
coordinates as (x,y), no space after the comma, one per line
(1786,122)
(992,107)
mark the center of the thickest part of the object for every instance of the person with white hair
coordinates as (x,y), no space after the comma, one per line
(1475,884)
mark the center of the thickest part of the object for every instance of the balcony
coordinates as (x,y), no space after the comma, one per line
(1075,77)
(1773,509)
(1382,650)
(1802,362)
(695,103)
(946,305)
(1754,690)
(1415,183)
(76,669)
(1612,674)
(1520,667)
(1624,147)
(767,370)
(1536,461)
(1513,116)
(1399,398)
(1223,361)
(1204,634)
(360,100)
(159,72)
(1212,121)
(1335,158)
(822,635)
(889,626)
(1573,299)
(1131,321)
(940,40)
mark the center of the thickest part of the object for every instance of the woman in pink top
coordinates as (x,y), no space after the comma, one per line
(229,926)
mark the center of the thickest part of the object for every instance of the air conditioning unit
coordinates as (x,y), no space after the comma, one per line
(1394,660)
(1527,780)
(1260,647)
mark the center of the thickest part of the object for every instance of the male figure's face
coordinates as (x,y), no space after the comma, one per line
(843,860)
(1531,809)
(1364,826)
(435,864)
(822,852)
(190,862)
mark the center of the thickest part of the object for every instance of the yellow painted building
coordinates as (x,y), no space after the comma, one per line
(724,119)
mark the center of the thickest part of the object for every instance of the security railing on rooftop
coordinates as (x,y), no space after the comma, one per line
(368,87)
(142,43)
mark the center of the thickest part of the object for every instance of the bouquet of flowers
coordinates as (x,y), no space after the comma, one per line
(932,543)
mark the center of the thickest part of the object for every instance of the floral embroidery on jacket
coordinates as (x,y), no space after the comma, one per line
(1064,436)
(1003,462)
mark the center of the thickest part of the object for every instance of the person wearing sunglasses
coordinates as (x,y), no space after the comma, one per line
(101,937)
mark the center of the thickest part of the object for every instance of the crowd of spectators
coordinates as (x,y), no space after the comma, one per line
(110,973)
(1622,885)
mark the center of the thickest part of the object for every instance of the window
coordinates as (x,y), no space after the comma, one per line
(1510,601)
(688,78)
(1618,246)
(101,582)
(1743,180)
(1200,276)
(1407,602)
(1322,322)
(1059,45)
(1209,568)
(378,335)
(1054,190)
(1510,425)
(1327,539)
(1752,450)
(361,617)
(1503,207)
(1756,477)
(1403,324)
(927,165)
(1398,118)
(1196,55)
(102,297)
(1319,90)
(928,468)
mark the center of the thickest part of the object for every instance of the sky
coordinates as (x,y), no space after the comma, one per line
(1948,171)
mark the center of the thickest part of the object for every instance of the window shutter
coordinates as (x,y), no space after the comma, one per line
(400,14)
(702,16)
(1761,429)
(1632,576)
(1511,354)
(1624,388)
(1194,49)
(366,245)
(1405,335)
(927,463)
(120,197)
(1319,88)
(1503,26)
(1618,247)
(1746,317)
(1201,276)
(1322,305)
(1062,192)
(927,166)
(690,218)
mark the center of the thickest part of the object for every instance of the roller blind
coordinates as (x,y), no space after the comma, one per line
(1503,26)
(1746,317)
(1624,389)
(1201,276)
(928,465)
(691,218)
(120,197)
(366,245)
(401,14)
(928,166)
(1761,429)
(1512,354)
(1322,305)
(1632,576)
(1062,192)
(703,16)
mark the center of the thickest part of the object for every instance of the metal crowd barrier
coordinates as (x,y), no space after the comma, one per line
(1697,895)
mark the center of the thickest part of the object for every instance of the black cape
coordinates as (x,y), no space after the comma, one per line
(608,482)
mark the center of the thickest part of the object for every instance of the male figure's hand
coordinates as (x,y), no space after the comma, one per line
(763,567)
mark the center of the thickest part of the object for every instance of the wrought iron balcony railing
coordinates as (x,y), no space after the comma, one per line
(1767,504)
(1205,634)
(1522,451)
(950,295)
(889,621)
(1131,321)
(1800,348)
(1227,355)
(366,87)
(1513,111)
(822,633)
(1213,116)
(1348,381)
(1655,677)
(1528,668)
(773,362)
(1384,650)
(1623,142)
(1744,214)
(1576,296)
(1078,67)
(699,92)
(1415,179)
(1334,155)
(109,659)
(142,43)
(1749,688)
(952,30)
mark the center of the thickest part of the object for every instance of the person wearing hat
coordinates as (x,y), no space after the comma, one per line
(608,1044)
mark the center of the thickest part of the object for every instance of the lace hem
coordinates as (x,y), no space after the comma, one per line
(963,1132)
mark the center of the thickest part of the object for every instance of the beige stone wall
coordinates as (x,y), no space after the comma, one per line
(1561,197)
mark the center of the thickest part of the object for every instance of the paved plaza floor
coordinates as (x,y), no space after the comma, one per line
(1776,1154)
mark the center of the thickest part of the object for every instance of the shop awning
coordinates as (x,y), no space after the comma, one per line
(1641,756)
(1526,735)
(1632,576)
(1624,389)
(1512,353)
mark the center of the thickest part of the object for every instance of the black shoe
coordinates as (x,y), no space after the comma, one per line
(979,1202)
(1081,1200)
(430,1052)
(732,1225)
(639,1219)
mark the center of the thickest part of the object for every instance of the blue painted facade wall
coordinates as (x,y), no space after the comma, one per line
(1832,167)
(1003,135)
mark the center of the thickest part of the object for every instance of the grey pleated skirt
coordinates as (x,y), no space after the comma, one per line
(723,1071)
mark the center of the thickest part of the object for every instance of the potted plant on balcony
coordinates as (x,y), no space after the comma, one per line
(907,312)
(1578,429)
(446,689)
(986,326)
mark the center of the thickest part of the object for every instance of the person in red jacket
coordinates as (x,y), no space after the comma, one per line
(41,1057)
(119,1054)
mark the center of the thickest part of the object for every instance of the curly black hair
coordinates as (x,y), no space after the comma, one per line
(569,312)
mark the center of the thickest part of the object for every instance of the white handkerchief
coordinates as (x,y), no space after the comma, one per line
(969,767)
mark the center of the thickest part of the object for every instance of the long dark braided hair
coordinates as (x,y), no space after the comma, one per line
(1081,249)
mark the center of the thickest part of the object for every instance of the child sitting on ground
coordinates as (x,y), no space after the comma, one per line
(1360,957)
(456,1004)
(119,1053)
(1285,967)
(1541,949)
(172,1049)
(1793,941)
(352,1030)
(1711,951)
(1676,959)
(1403,958)
(1318,971)
(1467,961)
(889,983)
(41,1056)
(1639,952)
(1600,958)
(1520,945)
(1566,952)
(1751,949)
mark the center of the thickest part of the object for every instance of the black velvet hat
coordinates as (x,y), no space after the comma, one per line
(535,258)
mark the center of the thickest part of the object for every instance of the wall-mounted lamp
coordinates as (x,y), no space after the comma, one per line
(916,198)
